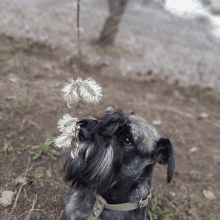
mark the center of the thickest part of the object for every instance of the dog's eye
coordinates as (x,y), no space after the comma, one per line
(121,130)
(126,141)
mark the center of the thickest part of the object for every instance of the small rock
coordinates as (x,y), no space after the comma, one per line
(204,115)
(209,194)
(7,197)
(193,100)
(193,149)
(48,66)
(209,175)
(57,84)
(27,28)
(58,72)
(151,96)
(9,98)
(13,78)
(172,193)
(67,58)
(22,180)
(156,122)
(178,95)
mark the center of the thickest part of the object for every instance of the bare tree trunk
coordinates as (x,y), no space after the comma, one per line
(110,29)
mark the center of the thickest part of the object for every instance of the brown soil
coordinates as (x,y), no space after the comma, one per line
(32,75)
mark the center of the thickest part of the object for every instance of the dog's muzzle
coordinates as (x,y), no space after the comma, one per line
(101,203)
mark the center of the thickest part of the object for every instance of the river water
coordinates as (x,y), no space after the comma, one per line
(173,41)
(190,9)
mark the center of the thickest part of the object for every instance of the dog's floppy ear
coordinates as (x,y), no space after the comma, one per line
(165,155)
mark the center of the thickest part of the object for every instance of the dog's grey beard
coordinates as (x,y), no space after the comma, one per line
(148,134)
(106,163)
(102,167)
(143,188)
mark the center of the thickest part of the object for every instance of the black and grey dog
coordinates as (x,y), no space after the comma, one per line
(116,161)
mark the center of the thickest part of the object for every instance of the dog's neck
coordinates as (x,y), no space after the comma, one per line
(114,195)
(125,192)
(117,194)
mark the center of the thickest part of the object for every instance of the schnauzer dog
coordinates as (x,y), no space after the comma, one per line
(114,168)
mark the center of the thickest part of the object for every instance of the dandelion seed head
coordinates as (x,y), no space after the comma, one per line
(63,141)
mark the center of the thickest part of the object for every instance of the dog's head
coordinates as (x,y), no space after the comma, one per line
(117,157)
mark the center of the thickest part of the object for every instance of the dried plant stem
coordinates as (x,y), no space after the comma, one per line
(25,172)
(79,49)
(32,208)
(19,190)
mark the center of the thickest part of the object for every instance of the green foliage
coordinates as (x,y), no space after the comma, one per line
(214,218)
(44,149)
(48,110)
(9,149)
(157,211)
(107,51)
(195,203)
(37,178)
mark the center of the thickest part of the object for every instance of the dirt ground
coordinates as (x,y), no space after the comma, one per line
(31,103)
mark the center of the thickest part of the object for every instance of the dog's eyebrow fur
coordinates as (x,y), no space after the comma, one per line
(148,134)
(110,123)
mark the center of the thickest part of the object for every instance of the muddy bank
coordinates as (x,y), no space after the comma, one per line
(150,39)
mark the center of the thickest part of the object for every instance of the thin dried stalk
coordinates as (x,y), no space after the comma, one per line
(79,48)
(89,91)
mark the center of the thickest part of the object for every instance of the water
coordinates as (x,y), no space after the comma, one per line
(190,9)
(173,41)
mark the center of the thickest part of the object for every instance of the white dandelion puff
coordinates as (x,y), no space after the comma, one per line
(70,130)
(63,141)
(90,91)
(70,93)
(67,124)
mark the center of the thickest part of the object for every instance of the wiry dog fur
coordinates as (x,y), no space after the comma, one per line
(116,160)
